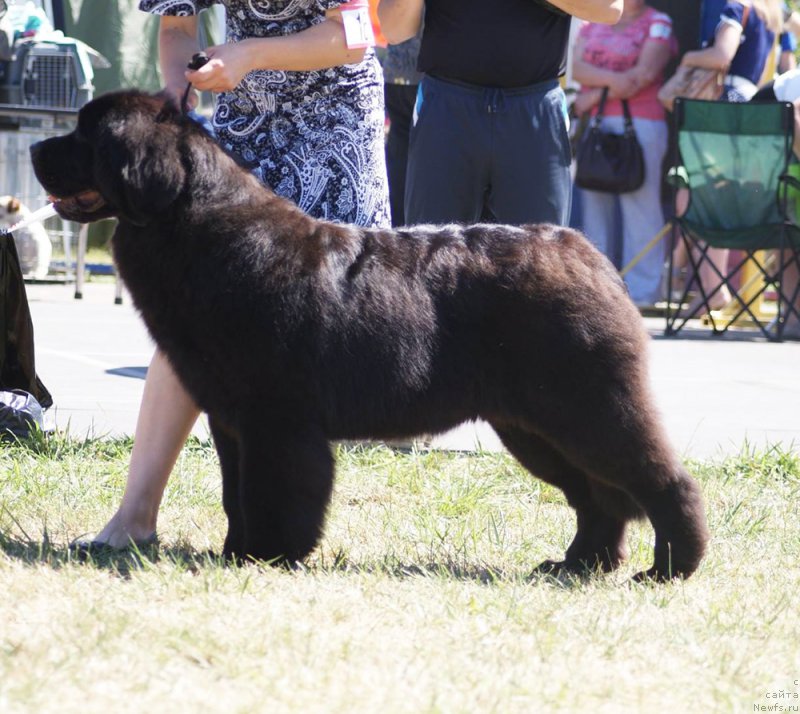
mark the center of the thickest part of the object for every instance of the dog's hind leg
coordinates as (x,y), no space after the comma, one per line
(228,451)
(616,439)
(600,537)
(286,478)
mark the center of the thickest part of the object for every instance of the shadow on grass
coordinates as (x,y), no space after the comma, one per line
(464,572)
(125,562)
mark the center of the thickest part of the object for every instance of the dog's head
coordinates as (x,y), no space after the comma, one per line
(123,159)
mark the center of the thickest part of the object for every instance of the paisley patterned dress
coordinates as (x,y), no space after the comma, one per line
(314,137)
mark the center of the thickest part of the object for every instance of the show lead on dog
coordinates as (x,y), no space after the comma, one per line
(299,97)
(490,121)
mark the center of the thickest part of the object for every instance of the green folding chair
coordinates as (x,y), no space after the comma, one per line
(734,159)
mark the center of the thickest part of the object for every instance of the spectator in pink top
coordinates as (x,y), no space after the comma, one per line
(629,58)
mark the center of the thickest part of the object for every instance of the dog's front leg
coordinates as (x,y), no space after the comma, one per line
(285,482)
(227,446)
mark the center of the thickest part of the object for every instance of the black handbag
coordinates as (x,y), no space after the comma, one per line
(611,163)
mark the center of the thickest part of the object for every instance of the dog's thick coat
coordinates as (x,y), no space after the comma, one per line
(292,332)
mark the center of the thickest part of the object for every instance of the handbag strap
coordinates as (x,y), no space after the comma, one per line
(628,119)
(625,109)
(598,117)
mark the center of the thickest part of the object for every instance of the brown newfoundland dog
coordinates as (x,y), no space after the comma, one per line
(291,332)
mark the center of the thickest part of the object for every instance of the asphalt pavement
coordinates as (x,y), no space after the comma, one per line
(716,395)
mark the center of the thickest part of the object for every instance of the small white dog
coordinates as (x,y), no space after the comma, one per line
(33,243)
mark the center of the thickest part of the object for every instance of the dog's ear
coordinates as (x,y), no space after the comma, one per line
(13,205)
(138,163)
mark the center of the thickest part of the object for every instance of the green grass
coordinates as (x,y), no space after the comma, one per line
(419,598)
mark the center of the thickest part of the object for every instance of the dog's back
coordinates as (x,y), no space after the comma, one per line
(451,323)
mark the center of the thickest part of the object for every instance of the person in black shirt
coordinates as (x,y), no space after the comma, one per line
(490,123)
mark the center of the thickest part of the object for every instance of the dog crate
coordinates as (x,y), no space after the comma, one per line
(43,83)
(47,74)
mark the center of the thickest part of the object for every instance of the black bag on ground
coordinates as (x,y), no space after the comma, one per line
(611,163)
(17,363)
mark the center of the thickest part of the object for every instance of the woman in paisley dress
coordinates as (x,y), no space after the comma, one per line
(307,113)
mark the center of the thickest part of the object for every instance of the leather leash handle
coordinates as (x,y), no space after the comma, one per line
(197,61)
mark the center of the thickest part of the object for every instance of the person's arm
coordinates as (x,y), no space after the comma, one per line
(796,142)
(318,47)
(587,99)
(620,84)
(400,19)
(650,65)
(792,23)
(177,42)
(787,62)
(721,53)
(606,12)
(788,46)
